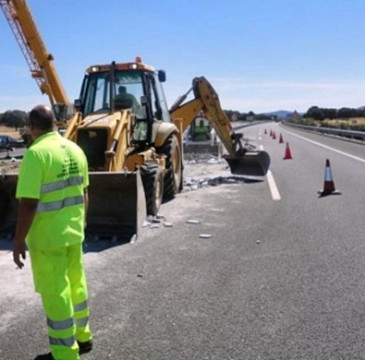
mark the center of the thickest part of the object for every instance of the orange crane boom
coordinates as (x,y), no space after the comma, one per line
(39,60)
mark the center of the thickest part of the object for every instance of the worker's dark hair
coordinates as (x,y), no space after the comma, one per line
(122,89)
(42,118)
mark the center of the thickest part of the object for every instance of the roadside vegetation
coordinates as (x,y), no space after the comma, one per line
(12,123)
(343,118)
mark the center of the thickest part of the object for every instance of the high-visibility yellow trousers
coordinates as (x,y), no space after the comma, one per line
(60,279)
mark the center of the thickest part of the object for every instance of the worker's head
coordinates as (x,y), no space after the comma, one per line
(41,120)
(122,89)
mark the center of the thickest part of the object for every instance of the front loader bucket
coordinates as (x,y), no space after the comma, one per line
(252,163)
(117,206)
(8,204)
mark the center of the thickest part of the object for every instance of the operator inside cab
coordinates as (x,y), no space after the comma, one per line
(125,99)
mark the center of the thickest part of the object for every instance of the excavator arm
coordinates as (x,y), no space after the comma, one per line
(39,60)
(242,159)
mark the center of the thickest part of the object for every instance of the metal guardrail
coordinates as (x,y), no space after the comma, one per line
(351,134)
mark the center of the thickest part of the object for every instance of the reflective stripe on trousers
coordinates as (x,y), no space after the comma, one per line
(60,279)
(62,341)
(81,316)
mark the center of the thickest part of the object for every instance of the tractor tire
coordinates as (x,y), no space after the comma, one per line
(173,174)
(152,180)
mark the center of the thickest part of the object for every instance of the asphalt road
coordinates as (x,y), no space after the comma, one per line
(279,278)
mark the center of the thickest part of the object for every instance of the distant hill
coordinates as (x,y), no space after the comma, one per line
(280,113)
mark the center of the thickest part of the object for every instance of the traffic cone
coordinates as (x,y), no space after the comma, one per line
(274,135)
(281,141)
(265,132)
(287,152)
(271,133)
(329,184)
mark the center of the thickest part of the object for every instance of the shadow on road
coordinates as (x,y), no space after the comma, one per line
(89,245)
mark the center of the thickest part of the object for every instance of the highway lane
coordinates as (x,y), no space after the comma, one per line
(278,279)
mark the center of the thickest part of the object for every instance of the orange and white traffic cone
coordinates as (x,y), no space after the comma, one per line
(281,141)
(287,154)
(329,184)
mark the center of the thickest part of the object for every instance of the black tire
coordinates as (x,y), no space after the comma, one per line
(173,174)
(152,179)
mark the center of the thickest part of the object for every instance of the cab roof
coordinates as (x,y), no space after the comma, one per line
(137,65)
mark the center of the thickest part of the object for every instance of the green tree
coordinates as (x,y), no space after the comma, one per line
(14,118)
(315,113)
(346,113)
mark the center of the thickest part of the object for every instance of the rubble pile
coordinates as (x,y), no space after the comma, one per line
(194,184)
(201,170)
(9,166)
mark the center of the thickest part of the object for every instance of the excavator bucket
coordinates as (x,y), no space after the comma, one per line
(117,207)
(251,163)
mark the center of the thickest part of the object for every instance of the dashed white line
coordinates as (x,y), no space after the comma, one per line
(272,184)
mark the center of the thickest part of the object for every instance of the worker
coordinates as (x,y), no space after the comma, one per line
(52,193)
(123,95)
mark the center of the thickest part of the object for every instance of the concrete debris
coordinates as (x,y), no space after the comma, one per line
(133,239)
(154,222)
(214,161)
(200,158)
(194,184)
(192,221)
(205,236)
(146,224)
(9,166)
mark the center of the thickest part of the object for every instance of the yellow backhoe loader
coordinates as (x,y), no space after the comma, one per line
(132,141)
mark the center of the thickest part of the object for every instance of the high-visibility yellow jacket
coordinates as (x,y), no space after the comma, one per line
(54,170)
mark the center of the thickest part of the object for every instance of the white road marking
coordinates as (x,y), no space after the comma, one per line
(328,147)
(272,184)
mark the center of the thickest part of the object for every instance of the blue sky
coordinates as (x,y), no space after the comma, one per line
(259,55)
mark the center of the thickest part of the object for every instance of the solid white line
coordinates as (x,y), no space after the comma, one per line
(328,147)
(272,185)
